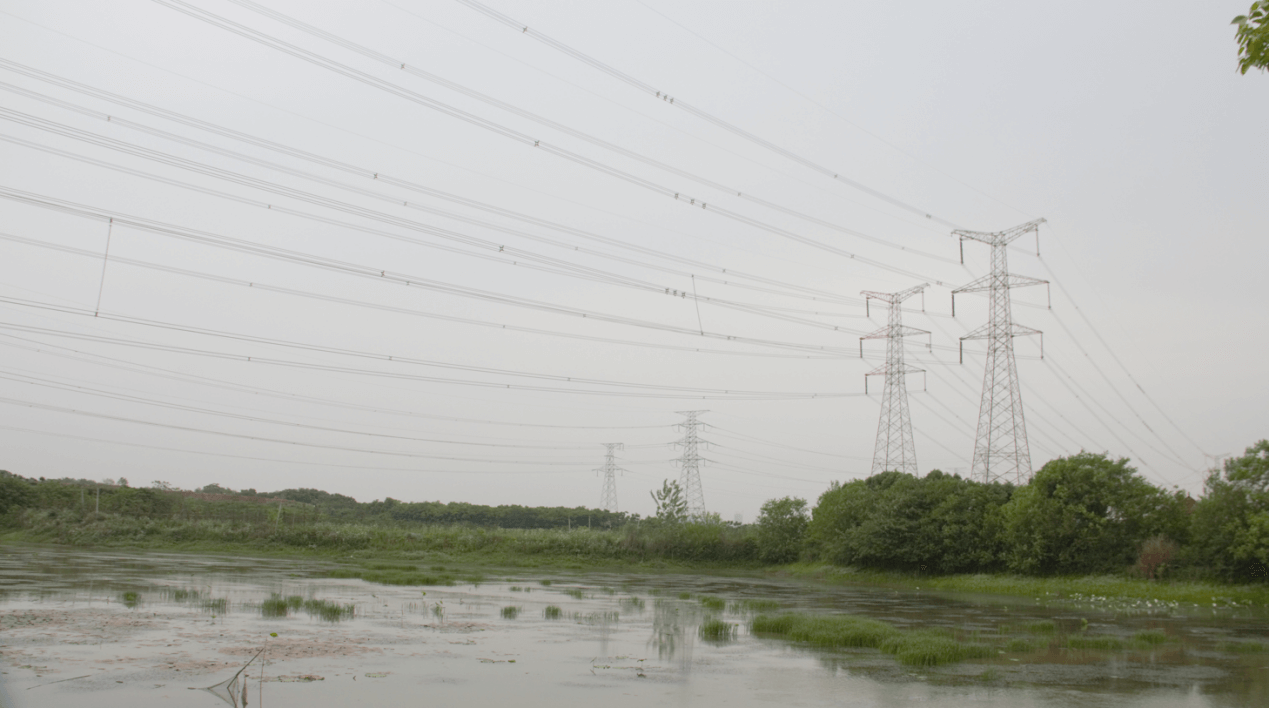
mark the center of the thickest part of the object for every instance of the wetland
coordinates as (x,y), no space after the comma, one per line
(148,628)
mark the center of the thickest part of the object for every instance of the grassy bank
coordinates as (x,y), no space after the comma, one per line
(1095,588)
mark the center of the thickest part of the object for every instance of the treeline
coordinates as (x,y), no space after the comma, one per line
(217,503)
(1081,514)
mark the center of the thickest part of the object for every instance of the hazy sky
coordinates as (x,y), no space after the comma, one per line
(366,210)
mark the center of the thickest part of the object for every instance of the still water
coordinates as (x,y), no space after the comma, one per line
(80,628)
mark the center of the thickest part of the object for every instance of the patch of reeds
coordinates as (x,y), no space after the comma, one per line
(216,605)
(1151,637)
(710,602)
(130,599)
(717,630)
(185,595)
(924,647)
(685,596)
(1244,647)
(1046,627)
(510,612)
(751,605)
(1020,646)
(552,612)
(517,588)
(275,606)
(545,583)
(632,604)
(575,593)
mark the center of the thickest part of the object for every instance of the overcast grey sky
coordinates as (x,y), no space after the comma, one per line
(1125,125)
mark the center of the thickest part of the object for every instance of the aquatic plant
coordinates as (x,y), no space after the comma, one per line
(685,596)
(1102,643)
(392,566)
(717,630)
(931,648)
(328,611)
(185,595)
(393,577)
(575,593)
(825,630)
(552,612)
(1020,646)
(517,588)
(752,605)
(1154,636)
(1244,647)
(710,602)
(275,606)
(130,599)
(632,604)
(294,602)
(1046,627)
(510,612)
(546,583)
(218,605)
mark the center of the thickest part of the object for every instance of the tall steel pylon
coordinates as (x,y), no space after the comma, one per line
(894,450)
(690,464)
(1000,448)
(608,498)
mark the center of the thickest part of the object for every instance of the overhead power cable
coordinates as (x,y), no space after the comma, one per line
(256,285)
(372,356)
(523,138)
(381,275)
(525,30)
(528,115)
(151,370)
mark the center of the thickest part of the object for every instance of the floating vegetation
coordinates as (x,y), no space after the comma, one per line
(710,602)
(1244,647)
(575,593)
(1046,627)
(1101,643)
(130,599)
(914,648)
(394,577)
(751,605)
(552,612)
(217,605)
(1151,637)
(632,604)
(717,630)
(510,612)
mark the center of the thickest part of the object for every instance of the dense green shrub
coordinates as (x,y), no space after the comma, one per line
(1230,529)
(781,530)
(1087,513)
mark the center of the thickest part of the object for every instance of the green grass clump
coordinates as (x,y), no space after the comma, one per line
(392,566)
(710,602)
(740,606)
(294,602)
(1095,642)
(552,612)
(1244,647)
(275,606)
(931,648)
(517,588)
(575,593)
(1047,627)
(1152,637)
(510,612)
(130,599)
(717,630)
(632,604)
(1020,646)
(328,611)
(825,630)
(217,605)
(685,596)
(545,583)
(185,595)
(393,577)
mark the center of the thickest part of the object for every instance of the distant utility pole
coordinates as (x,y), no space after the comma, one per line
(1000,448)
(608,498)
(894,450)
(690,463)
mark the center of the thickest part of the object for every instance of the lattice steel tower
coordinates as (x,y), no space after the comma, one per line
(608,498)
(690,463)
(1000,448)
(894,450)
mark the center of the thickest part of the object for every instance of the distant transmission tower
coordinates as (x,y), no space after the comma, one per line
(690,463)
(608,498)
(894,450)
(1000,448)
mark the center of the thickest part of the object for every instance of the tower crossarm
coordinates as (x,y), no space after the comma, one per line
(894,298)
(1016,330)
(905,369)
(900,331)
(987,282)
(1000,237)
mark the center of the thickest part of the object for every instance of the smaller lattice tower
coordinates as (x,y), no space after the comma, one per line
(1001,452)
(608,498)
(690,464)
(894,450)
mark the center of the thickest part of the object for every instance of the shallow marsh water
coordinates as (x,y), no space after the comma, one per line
(151,629)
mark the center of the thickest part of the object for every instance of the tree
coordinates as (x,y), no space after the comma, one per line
(1231,522)
(1087,513)
(781,527)
(162,486)
(671,506)
(1253,37)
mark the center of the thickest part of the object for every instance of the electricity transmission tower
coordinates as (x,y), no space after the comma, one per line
(690,464)
(608,498)
(1000,448)
(894,450)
